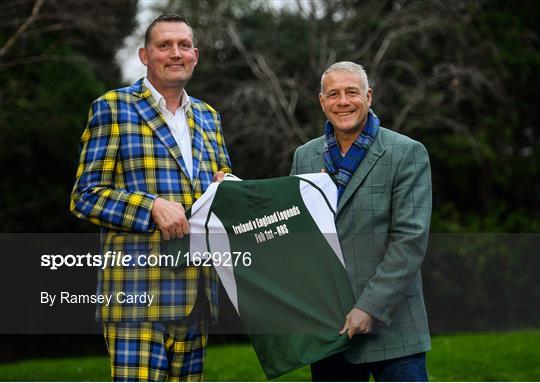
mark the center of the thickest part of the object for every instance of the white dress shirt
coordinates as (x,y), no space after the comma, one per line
(177,123)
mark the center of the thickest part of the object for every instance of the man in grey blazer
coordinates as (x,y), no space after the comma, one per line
(382,219)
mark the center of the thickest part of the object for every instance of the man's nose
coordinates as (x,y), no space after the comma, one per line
(175,52)
(343,99)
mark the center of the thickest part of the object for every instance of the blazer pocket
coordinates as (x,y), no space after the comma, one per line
(377,188)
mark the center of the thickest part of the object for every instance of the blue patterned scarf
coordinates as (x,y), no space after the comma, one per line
(343,167)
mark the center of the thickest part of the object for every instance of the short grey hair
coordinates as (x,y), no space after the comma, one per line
(166,18)
(348,66)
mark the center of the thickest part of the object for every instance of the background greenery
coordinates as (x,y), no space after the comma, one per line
(468,357)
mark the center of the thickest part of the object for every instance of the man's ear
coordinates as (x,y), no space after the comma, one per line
(321,101)
(369,96)
(143,56)
(196,50)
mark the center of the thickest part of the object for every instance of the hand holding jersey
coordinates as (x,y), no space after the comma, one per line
(170,217)
(357,322)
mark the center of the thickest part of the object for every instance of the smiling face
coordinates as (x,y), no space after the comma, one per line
(345,102)
(170,55)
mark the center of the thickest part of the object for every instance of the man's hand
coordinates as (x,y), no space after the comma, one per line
(357,322)
(218,177)
(170,218)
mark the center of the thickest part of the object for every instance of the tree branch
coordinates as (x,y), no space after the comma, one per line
(22,29)
(394,34)
(260,68)
(39,58)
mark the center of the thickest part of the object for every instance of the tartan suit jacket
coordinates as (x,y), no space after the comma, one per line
(128,158)
(382,221)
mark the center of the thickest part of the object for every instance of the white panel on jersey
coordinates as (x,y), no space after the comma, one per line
(199,212)
(323,181)
(317,206)
(219,240)
(219,245)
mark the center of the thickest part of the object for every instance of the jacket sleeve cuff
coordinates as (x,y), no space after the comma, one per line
(140,219)
(374,310)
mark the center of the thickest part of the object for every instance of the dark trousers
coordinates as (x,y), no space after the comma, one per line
(337,369)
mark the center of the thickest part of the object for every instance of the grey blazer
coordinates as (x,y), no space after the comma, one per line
(383,221)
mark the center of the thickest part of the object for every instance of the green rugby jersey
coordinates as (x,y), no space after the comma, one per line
(285,275)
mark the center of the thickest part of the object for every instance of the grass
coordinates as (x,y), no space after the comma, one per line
(508,356)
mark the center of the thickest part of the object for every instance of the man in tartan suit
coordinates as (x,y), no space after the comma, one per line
(148,152)
(382,220)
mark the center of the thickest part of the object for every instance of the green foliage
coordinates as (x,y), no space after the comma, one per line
(49,78)
(511,356)
(478,282)
(41,128)
(493,182)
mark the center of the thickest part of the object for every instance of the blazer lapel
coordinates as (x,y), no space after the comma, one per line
(150,113)
(374,153)
(317,163)
(195,121)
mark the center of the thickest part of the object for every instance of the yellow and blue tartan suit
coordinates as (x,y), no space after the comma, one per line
(129,158)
